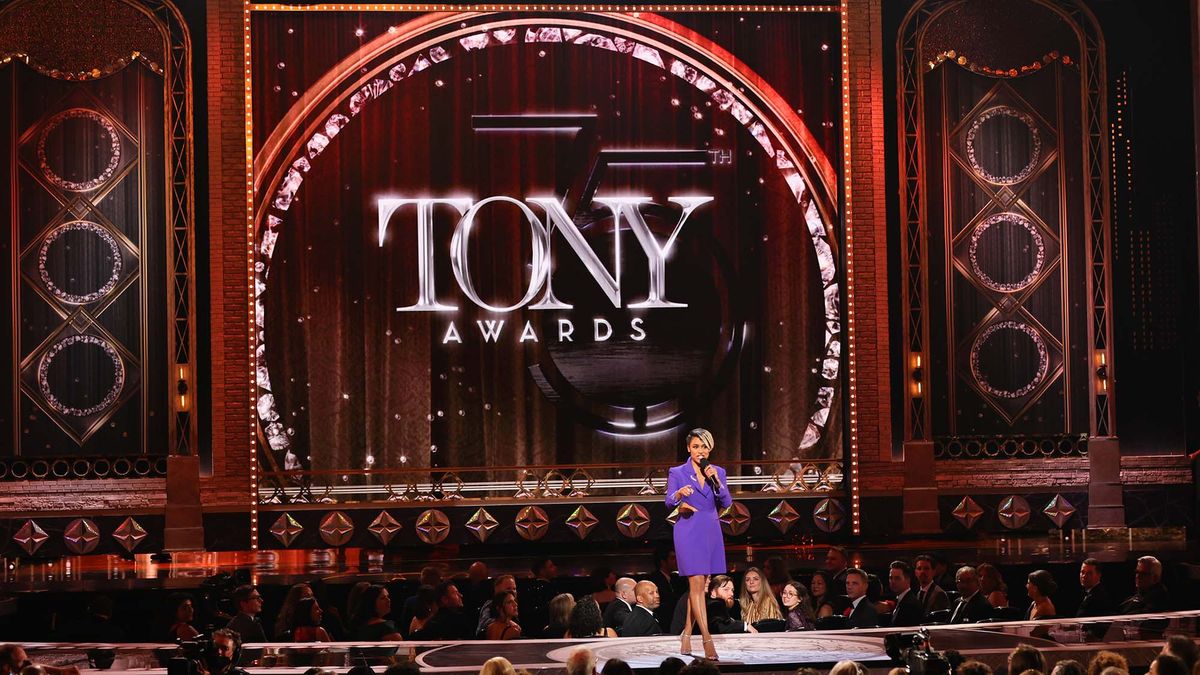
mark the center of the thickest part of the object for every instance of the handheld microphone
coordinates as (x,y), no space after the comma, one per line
(711,480)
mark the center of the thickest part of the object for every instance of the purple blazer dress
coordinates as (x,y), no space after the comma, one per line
(699,545)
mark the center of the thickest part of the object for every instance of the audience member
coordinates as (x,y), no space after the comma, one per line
(720,602)
(641,621)
(538,594)
(1103,660)
(586,620)
(974,668)
(582,661)
(1184,648)
(619,608)
(560,615)
(226,650)
(670,586)
(183,613)
(14,660)
(405,667)
(1041,586)
(449,621)
(504,582)
(908,610)
(246,623)
(423,610)
(822,594)
(671,666)
(1025,657)
(992,585)
(616,667)
(1068,667)
(1168,664)
(284,623)
(504,624)
(1151,595)
(353,599)
(700,667)
(603,582)
(930,595)
(942,574)
(477,589)
(756,601)
(797,607)
(861,612)
(1096,601)
(777,574)
(498,665)
(306,622)
(369,623)
(837,563)
(971,606)
(806,670)
(849,667)
(422,602)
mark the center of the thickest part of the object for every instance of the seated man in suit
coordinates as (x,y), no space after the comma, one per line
(971,605)
(861,613)
(641,621)
(1096,600)
(908,611)
(932,597)
(1151,595)
(619,608)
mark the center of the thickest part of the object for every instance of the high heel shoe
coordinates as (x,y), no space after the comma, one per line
(710,650)
(685,645)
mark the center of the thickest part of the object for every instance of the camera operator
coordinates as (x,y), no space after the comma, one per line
(223,657)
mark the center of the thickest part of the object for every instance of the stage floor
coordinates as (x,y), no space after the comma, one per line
(1138,638)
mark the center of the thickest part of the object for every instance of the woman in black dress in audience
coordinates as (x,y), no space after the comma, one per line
(370,624)
(1040,585)
(797,610)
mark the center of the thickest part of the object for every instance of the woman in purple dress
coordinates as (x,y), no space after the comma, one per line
(699,490)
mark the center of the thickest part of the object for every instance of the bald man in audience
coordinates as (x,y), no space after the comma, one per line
(622,606)
(641,621)
(582,661)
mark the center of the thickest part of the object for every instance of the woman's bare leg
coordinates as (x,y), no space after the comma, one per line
(685,642)
(696,588)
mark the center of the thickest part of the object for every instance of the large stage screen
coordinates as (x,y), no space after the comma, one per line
(533,237)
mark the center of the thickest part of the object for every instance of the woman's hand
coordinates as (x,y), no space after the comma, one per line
(711,472)
(683,492)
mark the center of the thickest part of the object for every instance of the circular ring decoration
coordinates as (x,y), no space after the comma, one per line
(109,398)
(1039,245)
(114,141)
(114,274)
(1043,359)
(1034,155)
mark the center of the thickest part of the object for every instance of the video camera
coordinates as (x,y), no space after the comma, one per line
(192,657)
(914,652)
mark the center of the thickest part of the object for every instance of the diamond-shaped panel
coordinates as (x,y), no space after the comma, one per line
(1059,511)
(532,523)
(829,515)
(384,527)
(633,520)
(433,526)
(81,536)
(968,512)
(783,516)
(286,529)
(582,522)
(735,520)
(336,528)
(30,537)
(129,534)
(1014,512)
(482,524)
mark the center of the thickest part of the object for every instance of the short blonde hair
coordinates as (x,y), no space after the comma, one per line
(704,435)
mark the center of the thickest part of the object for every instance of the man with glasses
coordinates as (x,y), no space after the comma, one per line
(246,623)
(1151,595)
